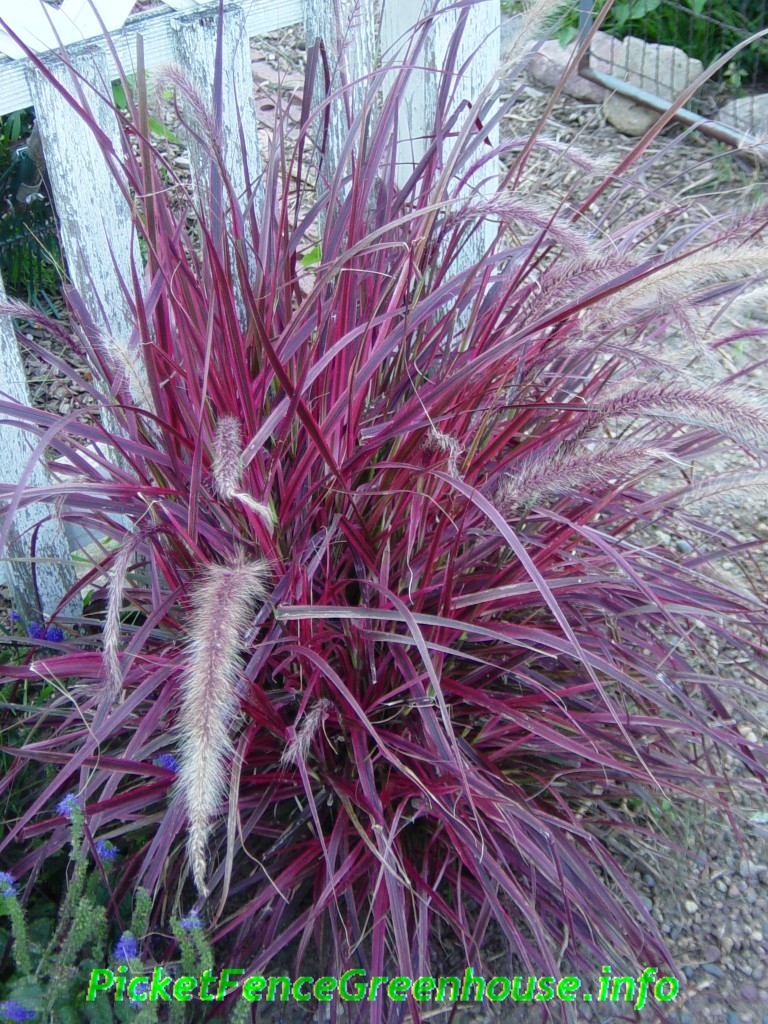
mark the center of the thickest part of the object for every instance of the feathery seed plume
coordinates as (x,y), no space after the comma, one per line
(728,410)
(679,282)
(436,440)
(299,745)
(534,17)
(194,109)
(222,605)
(133,372)
(579,467)
(113,675)
(228,467)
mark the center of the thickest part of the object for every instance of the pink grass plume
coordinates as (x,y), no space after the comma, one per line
(222,605)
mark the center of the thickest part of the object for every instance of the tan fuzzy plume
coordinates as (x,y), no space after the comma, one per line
(222,608)
(437,441)
(299,744)
(228,468)
(728,410)
(529,215)
(113,677)
(533,18)
(679,282)
(575,469)
(133,373)
(739,480)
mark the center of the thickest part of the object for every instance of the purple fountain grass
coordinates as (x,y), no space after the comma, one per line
(468,631)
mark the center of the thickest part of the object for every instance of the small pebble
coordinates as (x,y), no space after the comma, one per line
(712,969)
(691,906)
(748,869)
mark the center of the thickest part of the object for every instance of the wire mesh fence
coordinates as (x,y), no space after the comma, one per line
(703,32)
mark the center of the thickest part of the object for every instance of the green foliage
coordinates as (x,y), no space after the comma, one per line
(121,102)
(704,29)
(11,908)
(54,960)
(29,254)
(14,125)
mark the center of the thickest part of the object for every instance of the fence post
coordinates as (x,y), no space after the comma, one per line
(95,230)
(52,573)
(93,214)
(194,45)
(347,29)
(480,45)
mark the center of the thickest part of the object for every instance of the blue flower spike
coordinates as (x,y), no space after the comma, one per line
(167,761)
(191,922)
(127,947)
(143,986)
(68,805)
(13,1010)
(107,851)
(7,884)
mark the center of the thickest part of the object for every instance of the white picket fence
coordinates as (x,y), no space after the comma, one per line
(94,219)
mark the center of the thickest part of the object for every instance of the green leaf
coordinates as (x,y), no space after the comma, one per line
(98,1010)
(41,930)
(118,96)
(566,34)
(639,9)
(28,992)
(314,255)
(160,129)
(620,14)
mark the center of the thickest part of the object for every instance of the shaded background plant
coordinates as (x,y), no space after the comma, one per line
(472,649)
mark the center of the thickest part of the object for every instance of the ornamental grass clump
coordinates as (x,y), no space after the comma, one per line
(379,559)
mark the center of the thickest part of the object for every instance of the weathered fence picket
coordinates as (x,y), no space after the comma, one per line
(95,221)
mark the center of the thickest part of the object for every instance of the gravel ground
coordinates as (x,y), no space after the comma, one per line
(709,891)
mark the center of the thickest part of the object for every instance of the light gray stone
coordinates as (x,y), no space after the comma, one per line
(748,114)
(547,64)
(627,117)
(664,71)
